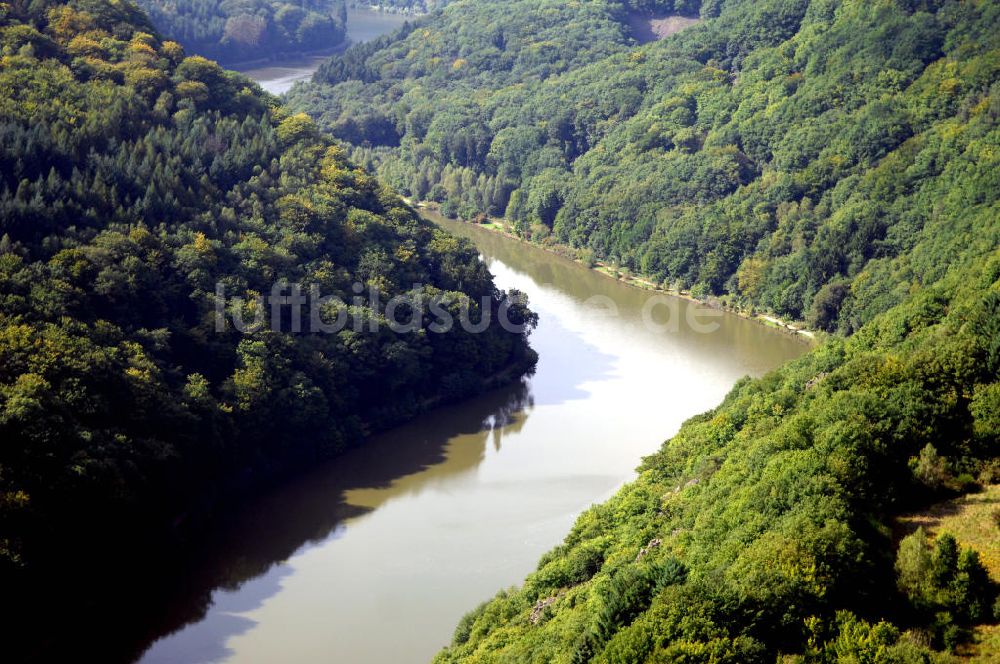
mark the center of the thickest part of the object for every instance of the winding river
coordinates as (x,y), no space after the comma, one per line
(363,24)
(374,557)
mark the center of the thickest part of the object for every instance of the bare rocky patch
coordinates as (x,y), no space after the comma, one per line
(646,28)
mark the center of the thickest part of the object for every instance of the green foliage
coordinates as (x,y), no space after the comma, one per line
(930,468)
(826,160)
(835,160)
(780,155)
(230,31)
(915,567)
(860,641)
(951,588)
(133,181)
(778,504)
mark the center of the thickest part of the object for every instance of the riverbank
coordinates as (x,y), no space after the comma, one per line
(477,491)
(277,75)
(501,226)
(364,23)
(283,58)
(160,564)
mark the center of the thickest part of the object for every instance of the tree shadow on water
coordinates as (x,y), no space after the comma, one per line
(241,565)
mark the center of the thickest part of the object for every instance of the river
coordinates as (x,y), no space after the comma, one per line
(375,556)
(363,24)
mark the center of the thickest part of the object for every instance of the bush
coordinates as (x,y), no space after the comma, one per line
(930,468)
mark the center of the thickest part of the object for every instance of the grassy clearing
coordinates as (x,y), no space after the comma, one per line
(970,518)
(984,648)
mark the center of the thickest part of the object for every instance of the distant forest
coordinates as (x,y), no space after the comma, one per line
(240,30)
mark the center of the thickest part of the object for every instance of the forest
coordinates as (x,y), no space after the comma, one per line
(722,160)
(133,181)
(832,162)
(231,31)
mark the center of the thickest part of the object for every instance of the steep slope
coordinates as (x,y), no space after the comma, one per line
(764,527)
(135,183)
(834,161)
(721,160)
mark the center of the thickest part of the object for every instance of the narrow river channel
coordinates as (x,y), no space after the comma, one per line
(375,556)
(363,25)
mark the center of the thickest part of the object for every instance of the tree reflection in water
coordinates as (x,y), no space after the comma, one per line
(252,543)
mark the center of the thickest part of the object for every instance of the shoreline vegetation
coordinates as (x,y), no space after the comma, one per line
(834,160)
(823,161)
(278,59)
(504,227)
(414,8)
(390,9)
(137,178)
(235,33)
(327,51)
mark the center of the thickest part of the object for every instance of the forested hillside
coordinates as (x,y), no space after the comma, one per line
(238,30)
(134,182)
(726,159)
(833,161)
(765,527)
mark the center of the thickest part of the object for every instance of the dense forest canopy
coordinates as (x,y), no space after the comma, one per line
(764,528)
(725,159)
(833,161)
(237,30)
(134,182)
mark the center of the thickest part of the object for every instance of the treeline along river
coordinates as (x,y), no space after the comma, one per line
(374,557)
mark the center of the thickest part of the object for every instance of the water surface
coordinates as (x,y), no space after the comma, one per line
(375,556)
(363,25)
